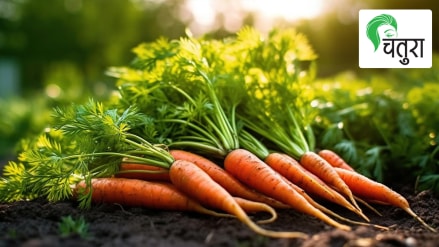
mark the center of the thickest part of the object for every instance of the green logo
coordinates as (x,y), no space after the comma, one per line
(381,25)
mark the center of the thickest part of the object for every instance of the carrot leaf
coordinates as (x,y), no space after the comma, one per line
(86,141)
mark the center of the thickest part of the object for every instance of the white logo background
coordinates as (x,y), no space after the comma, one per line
(412,24)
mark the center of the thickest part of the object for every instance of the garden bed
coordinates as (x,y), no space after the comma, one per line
(36,223)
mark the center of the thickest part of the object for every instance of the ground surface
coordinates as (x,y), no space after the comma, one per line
(36,224)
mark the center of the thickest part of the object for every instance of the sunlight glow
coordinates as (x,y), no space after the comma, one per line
(289,10)
(53,90)
(203,11)
(340,125)
(209,14)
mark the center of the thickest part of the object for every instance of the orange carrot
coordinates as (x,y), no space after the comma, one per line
(291,169)
(370,190)
(223,178)
(254,207)
(322,169)
(325,210)
(142,171)
(105,190)
(288,167)
(193,181)
(334,159)
(340,197)
(252,171)
(140,193)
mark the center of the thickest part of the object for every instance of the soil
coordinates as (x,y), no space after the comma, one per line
(36,223)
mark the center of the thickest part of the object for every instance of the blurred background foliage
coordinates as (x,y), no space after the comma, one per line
(56,51)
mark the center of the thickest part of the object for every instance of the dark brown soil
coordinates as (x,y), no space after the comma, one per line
(36,223)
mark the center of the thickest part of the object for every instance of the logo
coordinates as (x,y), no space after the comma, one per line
(395,38)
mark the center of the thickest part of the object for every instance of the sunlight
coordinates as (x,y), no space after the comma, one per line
(206,13)
(202,10)
(289,10)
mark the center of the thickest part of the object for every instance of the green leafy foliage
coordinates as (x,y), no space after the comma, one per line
(21,119)
(197,85)
(69,226)
(277,72)
(385,125)
(176,87)
(87,141)
(213,96)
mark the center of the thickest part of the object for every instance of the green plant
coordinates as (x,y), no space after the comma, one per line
(12,233)
(70,226)
(385,125)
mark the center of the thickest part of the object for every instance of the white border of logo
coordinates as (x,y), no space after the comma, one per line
(395,38)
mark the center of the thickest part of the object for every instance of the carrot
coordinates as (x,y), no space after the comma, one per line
(334,159)
(140,193)
(370,190)
(105,190)
(223,178)
(153,173)
(324,209)
(254,207)
(291,169)
(143,172)
(322,169)
(252,171)
(288,167)
(340,197)
(193,181)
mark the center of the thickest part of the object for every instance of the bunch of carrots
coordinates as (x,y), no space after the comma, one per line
(243,102)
